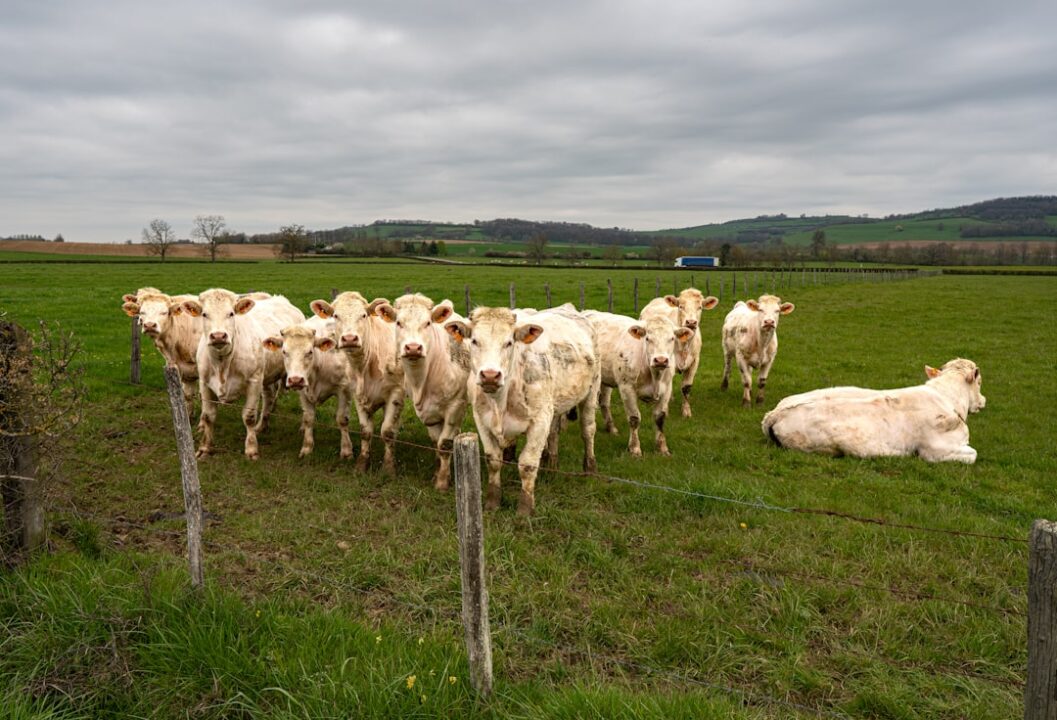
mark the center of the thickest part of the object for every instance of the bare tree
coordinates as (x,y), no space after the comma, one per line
(158,237)
(537,247)
(209,229)
(292,240)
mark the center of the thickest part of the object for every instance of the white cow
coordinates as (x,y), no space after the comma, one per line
(317,372)
(232,360)
(523,375)
(638,359)
(378,378)
(684,310)
(750,337)
(175,334)
(435,370)
(925,420)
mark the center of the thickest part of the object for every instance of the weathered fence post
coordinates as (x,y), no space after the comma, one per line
(635,294)
(20,489)
(581,296)
(333,293)
(547,290)
(734,286)
(513,297)
(407,289)
(609,284)
(185,447)
(692,280)
(675,285)
(721,291)
(466,292)
(471,561)
(708,287)
(133,376)
(657,289)
(1040,691)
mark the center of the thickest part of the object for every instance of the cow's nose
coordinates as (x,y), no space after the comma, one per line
(660,361)
(413,349)
(350,340)
(150,326)
(768,323)
(491,376)
(295,381)
(218,337)
(692,324)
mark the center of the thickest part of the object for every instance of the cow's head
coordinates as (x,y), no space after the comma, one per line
(965,371)
(134,297)
(768,309)
(413,316)
(352,316)
(301,349)
(219,310)
(690,303)
(156,313)
(493,334)
(660,339)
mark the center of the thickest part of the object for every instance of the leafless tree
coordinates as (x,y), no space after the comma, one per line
(293,240)
(158,237)
(209,229)
(537,247)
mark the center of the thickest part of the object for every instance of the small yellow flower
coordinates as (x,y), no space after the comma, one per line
(258,613)
(421,640)
(423,699)
(411,681)
(432,673)
(452,679)
(742,526)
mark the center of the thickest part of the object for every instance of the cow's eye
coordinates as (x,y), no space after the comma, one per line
(425,326)
(361,316)
(399,324)
(473,341)
(231,314)
(205,315)
(509,343)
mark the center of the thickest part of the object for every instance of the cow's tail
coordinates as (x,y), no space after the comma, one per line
(768,423)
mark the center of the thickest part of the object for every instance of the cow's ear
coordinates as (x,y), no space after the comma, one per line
(322,309)
(931,372)
(128,297)
(753,305)
(385,311)
(176,308)
(671,300)
(972,377)
(637,331)
(325,344)
(372,308)
(786,308)
(459,330)
(193,308)
(528,334)
(272,343)
(710,302)
(131,308)
(683,334)
(244,305)
(441,313)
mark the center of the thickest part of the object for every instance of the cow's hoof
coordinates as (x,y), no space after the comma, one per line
(346,454)
(253,456)
(723,385)
(361,464)
(202,452)
(687,412)
(389,470)
(304,453)
(525,505)
(746,404)
(637,452)
(612,429)
(440,485)
(665,452)
(590,465)
(495,496)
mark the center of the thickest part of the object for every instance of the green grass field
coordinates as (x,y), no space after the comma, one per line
(327,589)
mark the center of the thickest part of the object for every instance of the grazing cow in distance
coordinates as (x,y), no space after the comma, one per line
(684,310)
(750,337)
(232,360)
(524,374)
(435,370)
(175,334)
(317,372)
(638,358)
(368,343)
(925,420)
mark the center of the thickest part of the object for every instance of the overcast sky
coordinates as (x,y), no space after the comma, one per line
(639,114)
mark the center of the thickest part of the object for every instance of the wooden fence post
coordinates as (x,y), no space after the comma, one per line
(471,561)
(513,297)
(721,291)
(581,296)
(734,286)
(547,290)
(1040,691)
(692,280)
(22,526)
(657,290)
(635,295)
(466,292)
(609,283)
(134,371)
(333,294)
(185,447)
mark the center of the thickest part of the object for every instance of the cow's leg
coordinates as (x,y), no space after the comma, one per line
(343,424)
(189,389)
(588,427)
(761,379)
(746,381)
(631,409)
(528,463)
(308,425)
(688,381)
(494,456)
(208,419)
(660,414)
(365,414)
(390,427)
(436,432)
(938,452)
(270,396)
(549,458)
(605,398)
(725,383)
(250,415)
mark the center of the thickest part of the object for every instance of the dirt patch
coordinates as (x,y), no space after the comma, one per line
(227,252)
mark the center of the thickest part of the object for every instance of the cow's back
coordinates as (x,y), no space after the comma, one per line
(563,362)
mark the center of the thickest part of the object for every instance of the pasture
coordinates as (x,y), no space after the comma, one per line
(328,589)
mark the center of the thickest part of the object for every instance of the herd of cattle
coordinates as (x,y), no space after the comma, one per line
(523,372)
